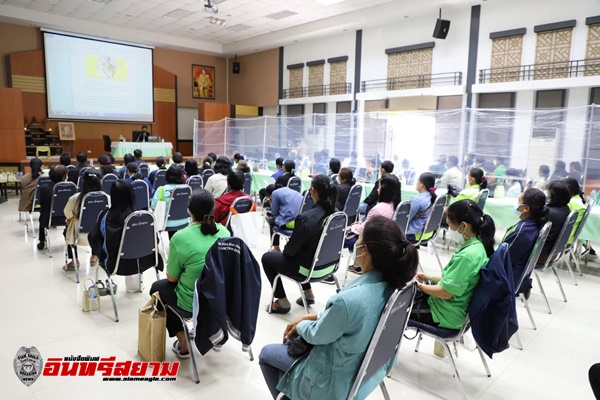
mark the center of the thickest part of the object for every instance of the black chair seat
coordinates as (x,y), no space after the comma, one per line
(432,330)
(183,313)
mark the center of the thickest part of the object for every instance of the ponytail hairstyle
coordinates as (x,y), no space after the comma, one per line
(535,199)
(391,253)
(91,183)
(389,189)
(36,167)
(559,194)
(346,175)
(428,180)
(202,207)
(207,163)
(289,166)
(481,224)
(574,188)
(477,174)
(327,192)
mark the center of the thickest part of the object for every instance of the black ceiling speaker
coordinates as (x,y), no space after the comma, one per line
(442,26)
(236,66)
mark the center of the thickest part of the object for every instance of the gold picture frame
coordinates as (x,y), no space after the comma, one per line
(66,130)
(203,82)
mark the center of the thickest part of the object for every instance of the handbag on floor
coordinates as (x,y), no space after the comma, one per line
(152,330)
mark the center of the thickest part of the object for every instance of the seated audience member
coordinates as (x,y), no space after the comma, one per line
(237,157)
(285,206)
(242,165)
(468,163)
(407,172)
(499,171)
(389,198)
(576,203)
(235,186)
(187,251)
(207,163)
(445,303)
(353,162)
(160,163)
(262,193)
(127,158)
(91,183)
(452,176)
(28,185)
(342,333)
(174,177)
(345,183)
(217,183)
(191,167)
(558,206)
(105,239)
(137,156)
(386,168)
(438,169)
(318,166)
(477,182)
(65,159)
(213,156)
(513,181)
(543,173)
(108,169)
(82,163)
(521,237)
(334,167)
(300,250)
(420,206)
(575,171)
(103,160)
(57,174)
(559,171)
(177,159)
(133,174)
(289,170)
(480,163)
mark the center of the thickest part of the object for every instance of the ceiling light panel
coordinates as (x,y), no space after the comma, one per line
(238,28)
(280,15)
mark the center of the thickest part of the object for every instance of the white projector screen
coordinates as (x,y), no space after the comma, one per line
(94,80)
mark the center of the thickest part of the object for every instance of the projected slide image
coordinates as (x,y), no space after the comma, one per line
(105,67)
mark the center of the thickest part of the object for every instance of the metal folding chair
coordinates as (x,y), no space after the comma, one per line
(137,241)
(295,183)
(144,170)
(60,195)
(107,181)
(207,173)
(352,203)
(91,206)
(482,198)
(41,181)
(557,249)
(177,210)
(241,205)
(573,248)
(159,179)
(402,215)
(142,194)
(195,182)
(307,204)
(432,225)
(326,258)
(247,184)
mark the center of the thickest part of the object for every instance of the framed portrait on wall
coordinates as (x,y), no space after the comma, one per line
(203,82)
(66,130)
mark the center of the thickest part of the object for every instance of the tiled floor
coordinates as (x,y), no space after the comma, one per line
(41,307)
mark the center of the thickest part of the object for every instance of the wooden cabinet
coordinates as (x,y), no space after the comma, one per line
(40,142)
(12,144)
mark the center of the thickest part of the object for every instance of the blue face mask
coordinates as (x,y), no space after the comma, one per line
(516,210)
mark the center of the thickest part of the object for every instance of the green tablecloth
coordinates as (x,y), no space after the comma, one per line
(119,149)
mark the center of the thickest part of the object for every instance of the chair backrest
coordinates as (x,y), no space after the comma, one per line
(70,167)
(144,170)
(247,183)
(435,215)
(178,206)
(563,237)
(142,195)
(482,198)
(334,178)
(91,206)
(107,181)
(241,205)
(138,239)
(331,242)
(588,210)
(307,202)
(207,173)
(41,181)
(160,179)
(402,215)
(352,202)
(60,195)
(295,183)
(195,182)
(387,337)
(535,253)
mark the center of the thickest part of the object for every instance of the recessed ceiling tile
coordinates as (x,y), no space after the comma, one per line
(18,3)
(39,7)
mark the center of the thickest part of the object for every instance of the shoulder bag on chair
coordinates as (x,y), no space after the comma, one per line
(152,329)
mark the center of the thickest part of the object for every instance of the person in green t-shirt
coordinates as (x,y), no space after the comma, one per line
(476,182)
(445,303)
(187,251)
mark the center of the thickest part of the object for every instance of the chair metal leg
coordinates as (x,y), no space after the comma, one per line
(337,283)
(304,301)
(162,244)
(484,361)
(250,354)
(418,342)
(75,263)
(47,234)
(438,257)
(112,297)
(157,274)
(191,350)
(529,312)
(32,226)
(386,395)
(559,283)
(454,369)
(575,253)
(567,261)
(518,339)
(350,257)
(277,278)
(543,292)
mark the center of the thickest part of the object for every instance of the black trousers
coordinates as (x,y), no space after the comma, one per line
(421,312)
(594,375)
(166,290)
(45,200)
(276,263)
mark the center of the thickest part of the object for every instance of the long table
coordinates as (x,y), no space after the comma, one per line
(150,149)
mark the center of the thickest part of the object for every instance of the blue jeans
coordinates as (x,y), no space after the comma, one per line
(362,208)
(274,361)
(349,243)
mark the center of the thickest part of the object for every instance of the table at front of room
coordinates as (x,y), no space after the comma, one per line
(150,149)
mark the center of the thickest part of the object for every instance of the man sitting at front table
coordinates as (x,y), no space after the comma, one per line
(285,207)
(387,167)
(144,135)
(453,176)
(137,154)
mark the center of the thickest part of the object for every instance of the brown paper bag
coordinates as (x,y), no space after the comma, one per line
(152,333)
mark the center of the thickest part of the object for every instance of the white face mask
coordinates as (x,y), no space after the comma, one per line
(456,235)
(358,255)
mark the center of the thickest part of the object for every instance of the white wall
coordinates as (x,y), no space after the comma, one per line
(185,122)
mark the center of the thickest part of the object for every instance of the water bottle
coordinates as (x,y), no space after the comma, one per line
(19,176)
(91,162)
(594,196)
(93,298)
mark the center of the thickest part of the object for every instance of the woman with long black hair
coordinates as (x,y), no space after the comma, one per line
(28,184)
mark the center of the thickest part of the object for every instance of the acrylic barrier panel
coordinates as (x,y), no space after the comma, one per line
(529,147)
